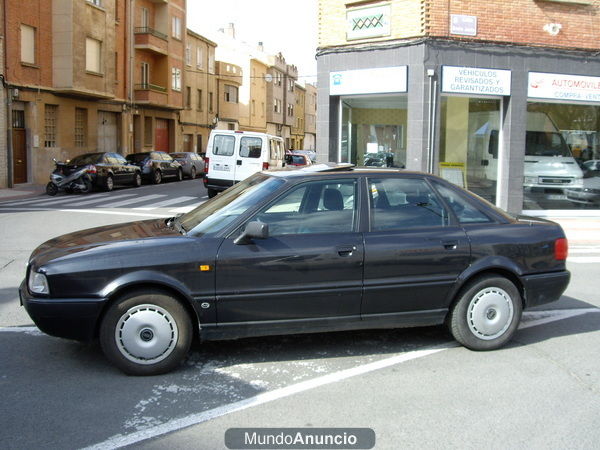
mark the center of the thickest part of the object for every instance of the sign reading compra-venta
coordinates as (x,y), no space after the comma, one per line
(475,80)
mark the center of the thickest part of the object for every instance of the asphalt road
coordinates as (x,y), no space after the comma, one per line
(415,387)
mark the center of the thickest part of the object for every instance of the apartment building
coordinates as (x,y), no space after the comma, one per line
(199,115)
(310,117)
(501,97)
(298,128)
(229,80)
(256,111)
(87,76)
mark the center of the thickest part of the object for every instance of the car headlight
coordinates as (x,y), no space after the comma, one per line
(38,283)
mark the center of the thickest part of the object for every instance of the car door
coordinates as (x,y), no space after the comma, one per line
(125,169)
(249,158)
(309,268)
(117,167)
(413,250)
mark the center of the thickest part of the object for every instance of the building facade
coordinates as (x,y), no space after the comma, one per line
(199,115)
(298,129)
(466,91)
(310,117)
(89,76)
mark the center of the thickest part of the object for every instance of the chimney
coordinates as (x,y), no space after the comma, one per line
(261,47)
(230,31)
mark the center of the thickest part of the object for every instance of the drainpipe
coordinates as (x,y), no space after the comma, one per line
(9,141)
(431,120)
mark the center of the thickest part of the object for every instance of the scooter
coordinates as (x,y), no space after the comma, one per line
(78,181)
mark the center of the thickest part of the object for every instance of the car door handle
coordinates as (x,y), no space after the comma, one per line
(346,250)
(450,245)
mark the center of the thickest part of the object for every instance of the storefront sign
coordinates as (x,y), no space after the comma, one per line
(563,87)
(463,25)
(368,81)
(368,22)
(474,80)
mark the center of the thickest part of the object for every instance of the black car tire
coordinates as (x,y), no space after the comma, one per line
(156,177)
(487,313)
(212,192)
(146,332)
(193,173)
(179,174)
(51,189)
(87,187)
(137,179)
(109,183)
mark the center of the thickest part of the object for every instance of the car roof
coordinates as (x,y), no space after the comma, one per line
(341,168)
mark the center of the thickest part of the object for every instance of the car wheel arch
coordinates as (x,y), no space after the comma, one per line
(140,286)
(467,277)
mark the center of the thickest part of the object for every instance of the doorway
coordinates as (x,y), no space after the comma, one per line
(19,147)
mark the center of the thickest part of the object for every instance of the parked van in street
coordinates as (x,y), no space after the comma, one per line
(232,156)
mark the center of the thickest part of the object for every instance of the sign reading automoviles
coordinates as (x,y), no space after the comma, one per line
(475,80)
(368,81)
(563,87)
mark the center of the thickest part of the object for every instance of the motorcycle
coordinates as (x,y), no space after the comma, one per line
(77,181)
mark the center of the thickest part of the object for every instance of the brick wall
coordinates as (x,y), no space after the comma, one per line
(521,21)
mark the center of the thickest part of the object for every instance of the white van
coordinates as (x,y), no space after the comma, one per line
(232,156)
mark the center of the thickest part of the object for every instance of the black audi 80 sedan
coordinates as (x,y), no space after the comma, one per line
(318,249)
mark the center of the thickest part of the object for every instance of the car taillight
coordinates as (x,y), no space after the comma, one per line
(205,165)
(265,166)
(92,169)
(561,249)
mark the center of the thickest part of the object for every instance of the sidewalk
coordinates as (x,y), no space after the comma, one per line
(579,230)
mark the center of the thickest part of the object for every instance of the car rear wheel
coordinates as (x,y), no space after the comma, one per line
(146,333)
(179,175)
(157,177)
(212,192)
(109,183)
(137,179)
(193,174)
(487,313)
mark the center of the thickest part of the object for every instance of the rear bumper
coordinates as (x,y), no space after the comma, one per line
(216,184)
(544,288)
(68,318)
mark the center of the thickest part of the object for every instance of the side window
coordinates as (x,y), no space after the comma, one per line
(250,147)
(402,203)
(311,208)
(120,159)
(223,145)
(167,157)
(465,212)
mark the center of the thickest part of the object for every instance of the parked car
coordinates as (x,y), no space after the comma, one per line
(105,169)
(156,166)
(232,156)
(191,163)
(297,160)
(588,195)
(375,249)
(310,153)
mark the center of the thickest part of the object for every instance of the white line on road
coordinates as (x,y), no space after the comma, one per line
(584,259)
(134,200)
(171,201)
(116,213)
(195,419)
(98,200)
(53,201)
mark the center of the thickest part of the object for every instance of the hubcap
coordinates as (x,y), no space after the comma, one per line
(109,182)
(490,313)
(146,334)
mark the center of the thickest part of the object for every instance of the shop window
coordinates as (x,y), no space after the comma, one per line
(373,131)
(469,143)
(562,143)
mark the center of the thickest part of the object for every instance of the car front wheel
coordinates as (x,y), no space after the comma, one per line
(487,313)
(146,333)
(137,179)
(157,177)
(109,183)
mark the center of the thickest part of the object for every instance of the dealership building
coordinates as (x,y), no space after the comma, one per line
(500,97)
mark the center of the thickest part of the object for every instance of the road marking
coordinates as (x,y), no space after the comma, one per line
(53,201)
(171,201)
(116,213)
(266,397)
(103,199)
(584,259)
(134,200)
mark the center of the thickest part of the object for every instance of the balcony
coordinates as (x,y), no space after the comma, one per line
(151,94)
(147,38)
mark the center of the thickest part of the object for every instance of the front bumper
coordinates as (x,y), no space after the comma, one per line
(544,288)
(70,318)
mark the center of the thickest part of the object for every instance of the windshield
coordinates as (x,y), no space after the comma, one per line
(220,211)
(546,143)
(137,157)
(89,158)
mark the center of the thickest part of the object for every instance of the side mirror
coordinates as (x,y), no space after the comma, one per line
(253,230)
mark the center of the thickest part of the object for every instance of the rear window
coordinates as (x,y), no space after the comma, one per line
(223,145)
(137,157)
(250,147)
(89,158)
(297,159)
